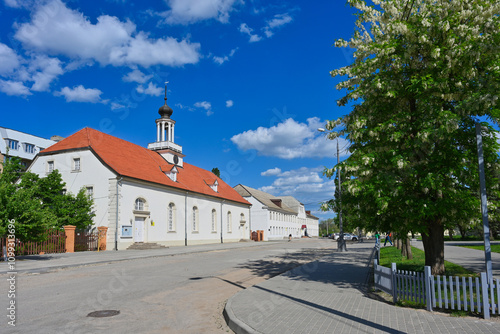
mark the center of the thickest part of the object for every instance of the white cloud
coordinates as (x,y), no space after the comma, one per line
(14,3)
(288,140)
(136,76)
(189,11)
(152,90)
(45,70)
(271,172)
(205,105)
(115,105)
(277,21)
(9,60)
(222,60)
(10,87)
(245,29)
(81,94)
(305,184)
(229,103)
(58,30)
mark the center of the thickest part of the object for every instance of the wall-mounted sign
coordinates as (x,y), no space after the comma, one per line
(126,231)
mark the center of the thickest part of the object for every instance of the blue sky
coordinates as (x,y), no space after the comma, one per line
(248,80)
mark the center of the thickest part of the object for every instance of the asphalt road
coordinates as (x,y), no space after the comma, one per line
(185,293)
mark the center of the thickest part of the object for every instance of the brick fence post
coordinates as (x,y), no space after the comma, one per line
(103,230)
(69,230)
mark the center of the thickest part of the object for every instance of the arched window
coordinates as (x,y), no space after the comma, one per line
(242,218)
(171,217)
(229,221)
(195,218)
(214,220)
(140,204)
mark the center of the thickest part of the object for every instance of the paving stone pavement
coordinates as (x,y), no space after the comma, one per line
(329,296)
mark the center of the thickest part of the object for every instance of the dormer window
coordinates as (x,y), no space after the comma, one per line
(172,174)
(29,148)
(215,186)
(13,144)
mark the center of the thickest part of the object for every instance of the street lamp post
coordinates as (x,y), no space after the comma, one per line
(341,246)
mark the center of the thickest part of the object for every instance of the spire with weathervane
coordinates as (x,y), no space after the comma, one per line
(165,144)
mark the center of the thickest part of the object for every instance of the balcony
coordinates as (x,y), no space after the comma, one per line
(163,145)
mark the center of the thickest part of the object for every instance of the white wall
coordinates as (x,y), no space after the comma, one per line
(92,173)
(158,199)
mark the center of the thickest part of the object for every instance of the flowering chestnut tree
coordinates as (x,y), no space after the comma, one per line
(424,72)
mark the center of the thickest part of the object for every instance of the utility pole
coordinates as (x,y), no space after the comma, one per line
(484,206)
(341,242)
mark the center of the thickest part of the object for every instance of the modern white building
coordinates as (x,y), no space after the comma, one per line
(19,144)
(278,216)
(147,195)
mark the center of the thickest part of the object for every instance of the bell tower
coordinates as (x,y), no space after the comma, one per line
(165,144)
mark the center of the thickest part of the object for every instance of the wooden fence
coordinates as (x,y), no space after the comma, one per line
(450,293)
(54,243)
(86,241)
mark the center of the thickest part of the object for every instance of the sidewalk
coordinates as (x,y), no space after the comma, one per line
(328,296)
(35,264)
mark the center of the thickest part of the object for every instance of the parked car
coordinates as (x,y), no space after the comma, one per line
(335,236)
(349,236)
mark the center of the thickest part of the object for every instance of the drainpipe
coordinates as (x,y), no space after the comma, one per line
(221,222)
(117,202)
(250,222)
(186,220)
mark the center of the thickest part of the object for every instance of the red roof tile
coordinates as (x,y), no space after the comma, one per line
(128,159)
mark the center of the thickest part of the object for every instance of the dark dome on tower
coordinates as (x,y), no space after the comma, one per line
(165,110)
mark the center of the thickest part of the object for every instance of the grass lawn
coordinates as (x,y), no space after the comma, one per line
(389,255)
(494,248)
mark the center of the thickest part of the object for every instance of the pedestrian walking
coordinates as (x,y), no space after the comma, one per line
(377,238)
(388,238)
(289,237)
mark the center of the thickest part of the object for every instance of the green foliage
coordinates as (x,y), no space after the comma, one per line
(421,78)
(36,204)
(216,171)
(330,224)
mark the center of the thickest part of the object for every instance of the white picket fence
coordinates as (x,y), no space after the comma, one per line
(451,293)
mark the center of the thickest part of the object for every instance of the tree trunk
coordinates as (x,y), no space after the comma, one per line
(433,242)
(462,230)
(397,243)
(409,254)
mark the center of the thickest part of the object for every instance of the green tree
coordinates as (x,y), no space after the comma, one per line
(423,73)
(36,204)
(216,171)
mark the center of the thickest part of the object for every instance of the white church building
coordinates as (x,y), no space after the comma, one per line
(278,216)
(147,195)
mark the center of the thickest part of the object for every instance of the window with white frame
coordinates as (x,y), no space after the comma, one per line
(214,220)
(242,218)
(195,219)
(76,164)
(229,222)
(90,192)
(13,144)
(139,204)
(171,217)
(29,148)
(50,166)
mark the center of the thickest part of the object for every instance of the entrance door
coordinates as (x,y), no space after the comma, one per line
(139,229)
(242,231)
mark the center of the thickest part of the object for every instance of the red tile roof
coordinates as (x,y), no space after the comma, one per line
(128,159)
